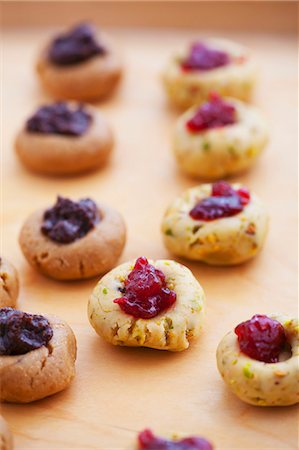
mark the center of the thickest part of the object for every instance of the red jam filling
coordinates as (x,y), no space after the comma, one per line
(225,201)
(202,57)
(261,338)
(148,441)
(213,114)
(145,292)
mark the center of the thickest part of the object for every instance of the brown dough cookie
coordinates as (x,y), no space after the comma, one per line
(91,255)
(54,154)
(9,284)
(41,372)
(5,436)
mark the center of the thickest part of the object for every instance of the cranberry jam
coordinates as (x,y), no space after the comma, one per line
(202,57)
(145,292)
(148,441)
(225,201)
(21,332)
(261,338)
(68,221)
(213,114)
(76,46)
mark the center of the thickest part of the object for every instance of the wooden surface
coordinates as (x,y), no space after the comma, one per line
(118,391)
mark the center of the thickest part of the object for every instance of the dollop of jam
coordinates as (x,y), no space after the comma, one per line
(148,441)
(21,332)
(145,291)
(76,46)
(68,221)
(213,114)
(261,338)
(59,118)
(202,57)
(225,201)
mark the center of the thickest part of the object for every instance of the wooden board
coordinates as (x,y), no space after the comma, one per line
(118,391)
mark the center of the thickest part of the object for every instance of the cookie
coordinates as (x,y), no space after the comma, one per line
(6,442)
(64,139)
(259,360)
(9,284)
(73,240)
(220,138)
(209,65)
(157,304)
(40,365)
(219,224)
(148,441)
(79,64)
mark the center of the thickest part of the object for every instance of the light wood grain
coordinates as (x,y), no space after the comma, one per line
(118,391)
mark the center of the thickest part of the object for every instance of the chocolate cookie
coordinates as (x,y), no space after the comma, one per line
(9,284)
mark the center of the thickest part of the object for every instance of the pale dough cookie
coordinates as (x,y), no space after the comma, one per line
(9,284)
(257,382)
(236,79)
(41,372)
(6,442)
(219,152)
(93,254)
(171,330)
(224,241)
(54,154)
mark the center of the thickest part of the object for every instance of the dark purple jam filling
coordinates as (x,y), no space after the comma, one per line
(59,118)
(148,441)
(225,201)
(145,292)
(68,221)
(21,332)
(202,57)
(76,46)
(212,114)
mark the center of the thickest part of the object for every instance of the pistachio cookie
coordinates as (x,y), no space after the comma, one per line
(157,304)
(9,284)
(73,240)
(64,139)
(37,356)
(6,442)
(79,64)
(219,224)
(259,360)
(209,65)
(221,137)
(148,441)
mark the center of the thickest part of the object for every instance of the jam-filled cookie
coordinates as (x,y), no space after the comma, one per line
(37,356)
(259,360)
(147,440)
(64,139)
(73,240)
(79,64)
(157,304)
(221,137)
(209,65)
(219,224)
(6,441)
(9,284)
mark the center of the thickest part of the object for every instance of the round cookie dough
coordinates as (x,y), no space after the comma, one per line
(89,80)
(6,442)
(57,154)
(215,153)
(41,372)
(224,241)
(93,254)
(170,330)
(236,79)
(256,382)
(9,284)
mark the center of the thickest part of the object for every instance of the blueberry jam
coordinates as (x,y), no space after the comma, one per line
(225,201)
(21,332)
(202,57)
(68,221)
(76,46)
(213,114)
(148,441)
(145,291)
(59,118)
(261,338)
